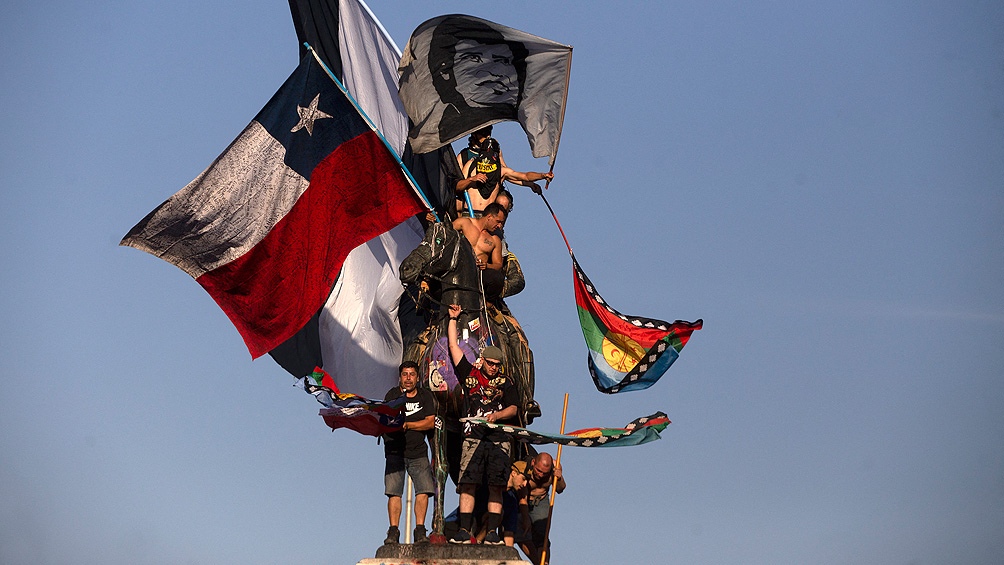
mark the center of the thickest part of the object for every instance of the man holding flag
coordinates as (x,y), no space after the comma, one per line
(406,450)
(482,162)
(489,394)
(534,503)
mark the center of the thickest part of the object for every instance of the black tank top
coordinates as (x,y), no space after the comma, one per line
(487,162)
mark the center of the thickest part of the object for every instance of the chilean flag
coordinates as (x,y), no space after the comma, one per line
(267,227)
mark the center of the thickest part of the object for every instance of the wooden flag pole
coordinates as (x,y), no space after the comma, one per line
(554,487)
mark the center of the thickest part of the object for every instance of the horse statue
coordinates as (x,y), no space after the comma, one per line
(439,272)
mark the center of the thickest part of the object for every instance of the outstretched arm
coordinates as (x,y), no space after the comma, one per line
(525,179)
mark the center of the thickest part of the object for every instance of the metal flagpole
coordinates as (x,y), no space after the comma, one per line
(554,487)
(369,122)
(409,491)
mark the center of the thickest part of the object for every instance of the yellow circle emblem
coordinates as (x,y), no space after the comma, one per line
(621,352)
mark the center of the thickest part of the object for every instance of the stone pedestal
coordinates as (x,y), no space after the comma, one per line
(448,554)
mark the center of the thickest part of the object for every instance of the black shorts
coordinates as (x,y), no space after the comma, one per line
(485,462)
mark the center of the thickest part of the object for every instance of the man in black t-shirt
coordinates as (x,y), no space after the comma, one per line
(406,451)
(485,457)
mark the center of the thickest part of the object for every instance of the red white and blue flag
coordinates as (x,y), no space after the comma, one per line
(266,228)
(298,234)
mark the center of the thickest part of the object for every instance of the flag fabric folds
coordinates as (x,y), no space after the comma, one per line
(642,430)
(460,73)
(343,410)
(356,334)
(266,228)
(625,352)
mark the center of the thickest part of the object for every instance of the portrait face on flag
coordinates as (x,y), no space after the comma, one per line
(459,74)
(478,74)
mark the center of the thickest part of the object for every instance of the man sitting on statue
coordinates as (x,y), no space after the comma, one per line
(487,246)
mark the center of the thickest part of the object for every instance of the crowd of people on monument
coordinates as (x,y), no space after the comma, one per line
(502,484)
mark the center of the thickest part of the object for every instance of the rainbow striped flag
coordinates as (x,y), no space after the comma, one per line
(625,352)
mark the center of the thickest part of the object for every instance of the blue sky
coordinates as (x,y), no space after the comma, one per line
(822,184)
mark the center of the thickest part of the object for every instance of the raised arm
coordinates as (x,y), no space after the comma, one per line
(456,354)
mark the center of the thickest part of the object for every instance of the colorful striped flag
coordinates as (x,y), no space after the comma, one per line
(625,352)
(642,430)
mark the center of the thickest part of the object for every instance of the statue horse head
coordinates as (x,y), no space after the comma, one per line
(447,257)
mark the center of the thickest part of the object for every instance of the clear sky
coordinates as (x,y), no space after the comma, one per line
(822,184)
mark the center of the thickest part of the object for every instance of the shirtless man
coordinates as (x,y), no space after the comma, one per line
(482,161)
(487,246)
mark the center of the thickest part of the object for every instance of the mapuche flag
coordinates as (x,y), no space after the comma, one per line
(266,228)
(625,352)
(639,431)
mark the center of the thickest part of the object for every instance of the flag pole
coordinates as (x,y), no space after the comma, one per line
(557,223)
(369,122)
(409,490)
(554,486)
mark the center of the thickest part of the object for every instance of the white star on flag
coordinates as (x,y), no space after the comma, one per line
(308,115)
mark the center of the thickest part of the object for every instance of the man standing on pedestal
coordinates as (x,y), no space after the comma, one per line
(485,457)
(406,451)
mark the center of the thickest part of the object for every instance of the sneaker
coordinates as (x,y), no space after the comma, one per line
(462,536)
(393,536)
(420,535)
(493,539)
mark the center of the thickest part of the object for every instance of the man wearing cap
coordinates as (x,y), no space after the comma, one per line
(485,457)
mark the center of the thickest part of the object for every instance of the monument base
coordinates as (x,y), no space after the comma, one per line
(447,554)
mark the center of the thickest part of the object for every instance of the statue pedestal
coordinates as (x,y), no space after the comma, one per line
(447,554)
